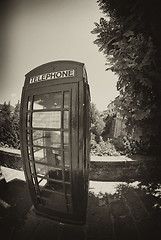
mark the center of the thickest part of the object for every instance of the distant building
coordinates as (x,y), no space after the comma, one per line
(118,125)
(111,109)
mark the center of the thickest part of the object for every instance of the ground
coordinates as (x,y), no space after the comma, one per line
(116,211)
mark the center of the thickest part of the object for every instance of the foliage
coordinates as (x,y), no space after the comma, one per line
(9,125)
(130,146)
(103,148)
(109,122)
(132,54)
(16,124)
(98,145)
(97,123)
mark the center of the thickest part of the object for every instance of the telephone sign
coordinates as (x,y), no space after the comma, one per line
(52,75)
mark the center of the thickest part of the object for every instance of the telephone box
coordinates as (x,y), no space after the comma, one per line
(55,139)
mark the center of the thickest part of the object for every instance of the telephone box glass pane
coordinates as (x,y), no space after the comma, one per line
(51,196)
(66,159)
(53,139)
(55,186)
(28,137)
(48,172)
(28,119)
(47,138)
(54,201)
(67,176)
(46,119)
(32,168)
(53,157)
(66,99)
(48,101)
(66,119)
(39,153)
(66,139)
(47,156)
(29,104)
(67,188)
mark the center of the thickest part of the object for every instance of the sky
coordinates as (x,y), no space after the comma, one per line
(34,32)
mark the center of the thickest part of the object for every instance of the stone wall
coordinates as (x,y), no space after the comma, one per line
(11,158)
(119,168)
(115,171)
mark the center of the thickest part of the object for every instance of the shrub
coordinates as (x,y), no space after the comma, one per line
(103,148)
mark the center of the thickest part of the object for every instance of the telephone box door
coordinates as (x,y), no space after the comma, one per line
(50,120)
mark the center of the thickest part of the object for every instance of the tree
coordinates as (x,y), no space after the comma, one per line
(9,125)
(107,130)
(16,125)
(6,124)
(97,123)
(131,50)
